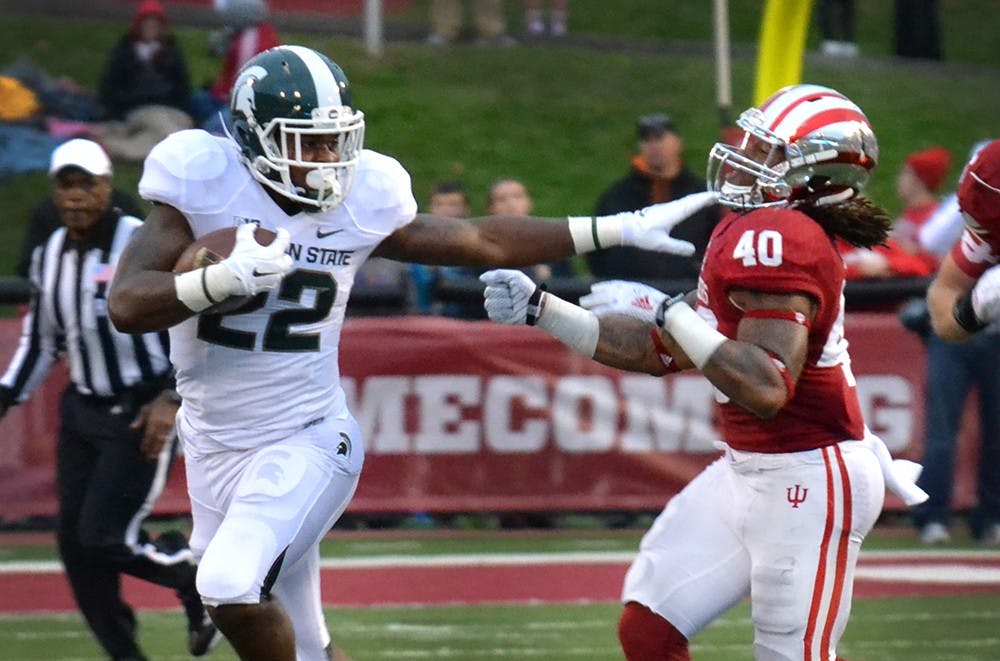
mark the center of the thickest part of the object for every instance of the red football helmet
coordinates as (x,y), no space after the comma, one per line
(806,143)
(979,187)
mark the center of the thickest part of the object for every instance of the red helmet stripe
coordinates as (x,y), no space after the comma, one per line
(795,104)
(832,116)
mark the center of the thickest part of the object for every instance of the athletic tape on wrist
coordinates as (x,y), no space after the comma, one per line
(575,327)
(698,340)
(594,232)
(202,288)
(191,290)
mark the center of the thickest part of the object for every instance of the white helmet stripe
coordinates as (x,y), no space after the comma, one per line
(327,87)
(789,125)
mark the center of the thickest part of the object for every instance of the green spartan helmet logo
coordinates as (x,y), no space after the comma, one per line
(344,447)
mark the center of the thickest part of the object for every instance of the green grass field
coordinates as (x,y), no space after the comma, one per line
(925,629)
(905,629)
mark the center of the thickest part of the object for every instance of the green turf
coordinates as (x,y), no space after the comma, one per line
(924,629)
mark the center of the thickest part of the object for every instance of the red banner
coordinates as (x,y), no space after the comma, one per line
(474,416)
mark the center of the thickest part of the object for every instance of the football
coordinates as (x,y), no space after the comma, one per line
(212,248)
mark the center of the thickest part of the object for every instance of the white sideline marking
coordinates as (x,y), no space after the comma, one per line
(955,574)
(572,557)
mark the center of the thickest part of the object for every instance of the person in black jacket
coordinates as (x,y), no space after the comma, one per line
(146,67)
(658,174)
(145,88)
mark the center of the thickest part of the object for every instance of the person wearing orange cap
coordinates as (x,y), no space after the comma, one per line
(964,353)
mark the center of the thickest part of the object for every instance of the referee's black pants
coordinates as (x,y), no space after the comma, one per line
(106,490)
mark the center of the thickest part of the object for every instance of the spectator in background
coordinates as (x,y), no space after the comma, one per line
(917,185)
(451,200)
(658,174)
(953,370)
(534,18)
(836,24)
(116,428)
(146,67)
(246,32)
(145,88)
(917,29)
(510,197)
(488,16)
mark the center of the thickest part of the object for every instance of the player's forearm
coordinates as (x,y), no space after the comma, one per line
(747,375)
(145,302)
(513,241)
(625,343)
(941,300)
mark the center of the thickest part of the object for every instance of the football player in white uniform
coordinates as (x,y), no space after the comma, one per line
(273,454)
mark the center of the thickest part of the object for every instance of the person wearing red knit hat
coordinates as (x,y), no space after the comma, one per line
(145,67)
(917,185)
(145,86)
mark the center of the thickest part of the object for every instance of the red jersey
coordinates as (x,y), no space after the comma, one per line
(780,250)
(979,199)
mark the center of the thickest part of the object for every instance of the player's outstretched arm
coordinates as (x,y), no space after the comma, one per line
(617,340)
(520,241)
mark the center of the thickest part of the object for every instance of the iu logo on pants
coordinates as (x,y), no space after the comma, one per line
(796,495)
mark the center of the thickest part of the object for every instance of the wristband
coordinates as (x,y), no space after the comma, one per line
(594,232)
(535,306)
(783,371)
(575,327)
(698,340)
(202,288)
(965,314)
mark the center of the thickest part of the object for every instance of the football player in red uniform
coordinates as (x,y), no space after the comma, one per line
(964,296)
(780,517)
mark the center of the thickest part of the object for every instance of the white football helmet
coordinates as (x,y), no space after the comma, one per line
(806,143)
(280,96)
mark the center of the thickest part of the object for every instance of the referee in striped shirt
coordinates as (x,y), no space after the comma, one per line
(116,437)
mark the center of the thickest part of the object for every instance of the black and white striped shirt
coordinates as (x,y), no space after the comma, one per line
(69,314)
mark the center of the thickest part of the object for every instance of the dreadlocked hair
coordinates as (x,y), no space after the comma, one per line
(857,220)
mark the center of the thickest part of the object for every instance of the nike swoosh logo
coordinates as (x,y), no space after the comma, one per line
(320,234)
(258,274)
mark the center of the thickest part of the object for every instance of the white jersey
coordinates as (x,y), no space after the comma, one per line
(251,378)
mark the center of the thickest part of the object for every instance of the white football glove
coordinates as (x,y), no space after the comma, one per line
(650,228)
(255,268)
(632,299)
(506,295)
(986,296)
